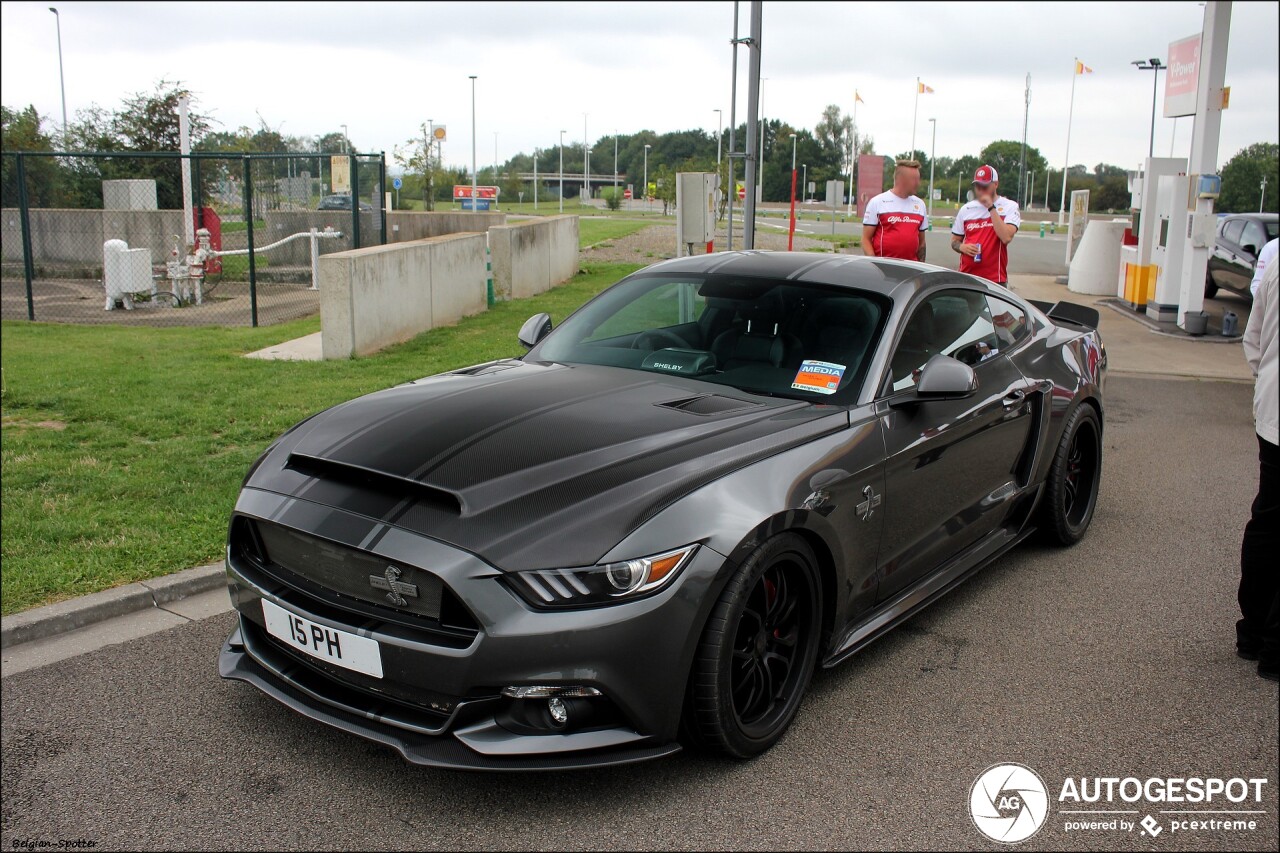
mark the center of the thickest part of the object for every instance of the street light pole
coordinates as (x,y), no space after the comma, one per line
(1152,64)
(615,163)
(562,171)
(646,177)
(346,141)
(760,179)
(719,136)
(1262,199)
(933,147)
(62,81)
(475,181)
(791,230)
(805,191)
(586,163)
(535,180)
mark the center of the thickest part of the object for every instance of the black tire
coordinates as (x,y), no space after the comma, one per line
(1210,289)
(757,651)
(1071,489)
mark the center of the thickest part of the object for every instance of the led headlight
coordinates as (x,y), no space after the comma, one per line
(604,584)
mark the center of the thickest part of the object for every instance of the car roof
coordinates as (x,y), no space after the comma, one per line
(897,279)
(1261,217)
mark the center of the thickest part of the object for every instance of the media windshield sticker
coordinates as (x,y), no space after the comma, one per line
(820,376)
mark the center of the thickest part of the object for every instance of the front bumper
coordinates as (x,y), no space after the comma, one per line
(427,750)
(440,702)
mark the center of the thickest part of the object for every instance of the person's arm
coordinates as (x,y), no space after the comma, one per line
(920,250)
(1253,329)
(958,245)
(1266,256)
(868,240)
(1005,231)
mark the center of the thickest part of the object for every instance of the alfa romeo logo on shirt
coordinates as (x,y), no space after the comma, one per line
(1008,803)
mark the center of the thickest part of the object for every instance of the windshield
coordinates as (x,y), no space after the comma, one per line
(785,339)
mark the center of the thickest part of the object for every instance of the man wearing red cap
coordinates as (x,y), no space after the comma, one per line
(984,227)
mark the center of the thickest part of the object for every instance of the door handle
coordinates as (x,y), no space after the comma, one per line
(1014,399)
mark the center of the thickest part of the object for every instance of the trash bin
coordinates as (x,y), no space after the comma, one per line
(1041,229)
(1195,322)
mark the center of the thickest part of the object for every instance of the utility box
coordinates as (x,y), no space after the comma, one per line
(695,210)
(133,194)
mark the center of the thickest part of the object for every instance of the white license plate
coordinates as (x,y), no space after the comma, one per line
(340,648)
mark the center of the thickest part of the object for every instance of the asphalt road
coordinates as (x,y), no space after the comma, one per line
(1114,658)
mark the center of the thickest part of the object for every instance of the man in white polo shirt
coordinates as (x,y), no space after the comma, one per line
(984,227)
(894,222)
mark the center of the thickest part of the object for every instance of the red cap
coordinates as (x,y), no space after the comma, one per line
(985,175)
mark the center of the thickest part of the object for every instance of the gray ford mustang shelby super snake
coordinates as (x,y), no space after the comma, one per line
(716,475)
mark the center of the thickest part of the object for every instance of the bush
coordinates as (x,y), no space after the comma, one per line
(612,198)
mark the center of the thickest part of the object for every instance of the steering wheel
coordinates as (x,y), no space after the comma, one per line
(670,338)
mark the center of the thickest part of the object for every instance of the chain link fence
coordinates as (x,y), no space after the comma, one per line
(62,213)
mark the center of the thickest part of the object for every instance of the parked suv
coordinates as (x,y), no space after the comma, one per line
(1240,237)
(340,202)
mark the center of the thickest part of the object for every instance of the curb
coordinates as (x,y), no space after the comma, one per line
(40,622)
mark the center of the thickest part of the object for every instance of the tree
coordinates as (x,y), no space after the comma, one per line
(665,186)
(22,131)
(832,132)
(1242,178)
(1004,155)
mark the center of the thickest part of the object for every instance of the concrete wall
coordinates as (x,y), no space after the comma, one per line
(374,297)
(532,257)
(404,225)
(141,229)
(76,236)
(282,223)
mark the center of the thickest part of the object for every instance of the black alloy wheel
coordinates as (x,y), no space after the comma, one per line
(758,650)
(1071,492)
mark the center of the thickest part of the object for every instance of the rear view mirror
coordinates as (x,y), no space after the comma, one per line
(944,376)
(534,330)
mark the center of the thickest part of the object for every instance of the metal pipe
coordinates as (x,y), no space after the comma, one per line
(753,107)
(733,121)
(62,80)
(933,147)
(248,229)
(474,179)
(24,216)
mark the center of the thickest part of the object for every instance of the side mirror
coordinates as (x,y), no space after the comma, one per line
(944,376)
(534,329)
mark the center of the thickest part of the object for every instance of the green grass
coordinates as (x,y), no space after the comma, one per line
(123,448)
(592,231)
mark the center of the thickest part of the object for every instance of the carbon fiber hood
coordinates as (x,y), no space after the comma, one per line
(532,465)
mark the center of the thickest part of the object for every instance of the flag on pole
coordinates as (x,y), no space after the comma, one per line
(922,89)
(857,99)
(1081,68)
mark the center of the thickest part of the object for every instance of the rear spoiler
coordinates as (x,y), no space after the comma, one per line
(1070,312)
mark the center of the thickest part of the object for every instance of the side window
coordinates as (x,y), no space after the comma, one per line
(666,305)
(1231,231)
(957,323)
(1010,321)
(1254,235)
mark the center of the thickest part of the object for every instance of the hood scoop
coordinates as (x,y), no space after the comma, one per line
(708,404)
(376,481)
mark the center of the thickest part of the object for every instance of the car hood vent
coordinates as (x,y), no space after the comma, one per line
(708,404)
(380,481)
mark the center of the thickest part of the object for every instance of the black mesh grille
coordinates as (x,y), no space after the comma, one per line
(334,580)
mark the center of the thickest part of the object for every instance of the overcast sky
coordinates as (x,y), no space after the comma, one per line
(382,69)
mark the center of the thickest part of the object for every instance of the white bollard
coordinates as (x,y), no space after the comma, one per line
(315,259)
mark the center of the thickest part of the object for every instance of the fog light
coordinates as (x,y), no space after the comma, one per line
(559,710)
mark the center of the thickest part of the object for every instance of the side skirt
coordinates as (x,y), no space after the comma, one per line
(911,601)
